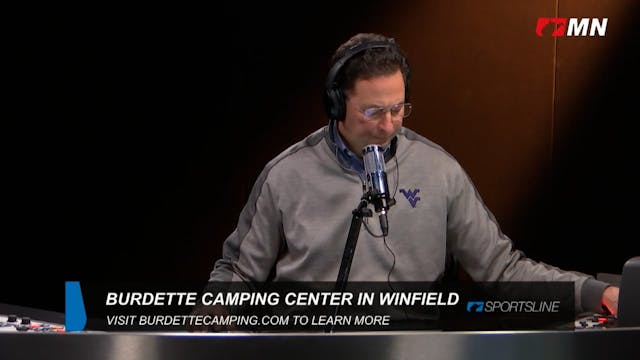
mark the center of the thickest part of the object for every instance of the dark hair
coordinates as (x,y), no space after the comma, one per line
(371,62)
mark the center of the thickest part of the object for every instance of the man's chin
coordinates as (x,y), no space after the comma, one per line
(382,142)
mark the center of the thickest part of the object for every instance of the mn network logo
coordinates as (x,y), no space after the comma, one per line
(475,306)
(573,26)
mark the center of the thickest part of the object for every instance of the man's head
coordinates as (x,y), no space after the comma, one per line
(367,88)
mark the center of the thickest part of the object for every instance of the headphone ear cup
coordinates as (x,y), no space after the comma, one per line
(334,103)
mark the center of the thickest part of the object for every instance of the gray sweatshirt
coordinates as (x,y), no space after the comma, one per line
(296,221)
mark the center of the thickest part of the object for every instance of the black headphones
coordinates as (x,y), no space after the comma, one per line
(334,98)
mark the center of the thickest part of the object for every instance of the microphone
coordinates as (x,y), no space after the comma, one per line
(377,187)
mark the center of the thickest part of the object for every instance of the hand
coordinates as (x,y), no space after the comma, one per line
(610,299)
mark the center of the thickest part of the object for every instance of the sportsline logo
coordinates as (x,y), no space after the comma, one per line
(576,26)
(475,306)
(514,306)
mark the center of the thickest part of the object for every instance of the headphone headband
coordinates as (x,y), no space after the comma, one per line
(335,69)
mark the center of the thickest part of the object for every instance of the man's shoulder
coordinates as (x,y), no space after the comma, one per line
(311,140)
(296,152)
(409,139)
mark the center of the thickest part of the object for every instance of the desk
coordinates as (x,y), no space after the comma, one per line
(619,343)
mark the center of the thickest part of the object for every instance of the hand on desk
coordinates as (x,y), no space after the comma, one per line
(610,299)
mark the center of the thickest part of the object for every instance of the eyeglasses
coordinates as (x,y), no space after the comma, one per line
(376,113)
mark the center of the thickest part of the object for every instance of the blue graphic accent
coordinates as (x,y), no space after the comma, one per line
(475,306)
(411,196)
(75,316)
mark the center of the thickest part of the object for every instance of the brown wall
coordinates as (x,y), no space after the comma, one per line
(536,121)
(540,123)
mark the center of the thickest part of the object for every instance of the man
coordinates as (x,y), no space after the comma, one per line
(294,225)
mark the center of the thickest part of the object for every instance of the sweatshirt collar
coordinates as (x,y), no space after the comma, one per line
(350,160)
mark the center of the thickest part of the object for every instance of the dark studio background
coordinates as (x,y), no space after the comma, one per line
(134,135)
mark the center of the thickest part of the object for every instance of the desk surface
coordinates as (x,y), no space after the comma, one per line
(620,343)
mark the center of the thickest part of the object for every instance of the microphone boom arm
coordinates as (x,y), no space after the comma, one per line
(349,249)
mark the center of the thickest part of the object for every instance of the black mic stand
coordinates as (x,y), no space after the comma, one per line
(350,248)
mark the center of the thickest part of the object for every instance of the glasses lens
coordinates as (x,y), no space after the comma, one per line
(376,113)
(395,109)
(373,113)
